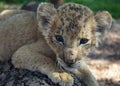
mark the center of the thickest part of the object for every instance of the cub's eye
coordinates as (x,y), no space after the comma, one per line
(59,38)
(83,41)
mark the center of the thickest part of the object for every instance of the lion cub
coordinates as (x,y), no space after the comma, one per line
(67,36)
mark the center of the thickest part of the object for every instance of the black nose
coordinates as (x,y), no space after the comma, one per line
(70,62)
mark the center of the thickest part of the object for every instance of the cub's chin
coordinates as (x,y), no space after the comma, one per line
(64,67)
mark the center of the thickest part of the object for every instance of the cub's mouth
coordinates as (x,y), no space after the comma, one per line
(65,67)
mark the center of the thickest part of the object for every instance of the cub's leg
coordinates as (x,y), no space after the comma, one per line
(28,59)
(84,73)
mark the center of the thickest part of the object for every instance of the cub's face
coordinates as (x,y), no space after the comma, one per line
(71,30)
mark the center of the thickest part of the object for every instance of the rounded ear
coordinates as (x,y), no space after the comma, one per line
(104,21)
(46,15)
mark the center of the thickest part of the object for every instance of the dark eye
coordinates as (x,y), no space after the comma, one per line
(59,38)
(83,41)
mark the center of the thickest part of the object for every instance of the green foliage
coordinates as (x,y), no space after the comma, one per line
(1,5)
(113,6)
(22,1)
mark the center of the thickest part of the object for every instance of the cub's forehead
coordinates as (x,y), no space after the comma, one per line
(72,16)
(73,8)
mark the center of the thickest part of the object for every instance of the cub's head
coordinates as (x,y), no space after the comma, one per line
(71,30)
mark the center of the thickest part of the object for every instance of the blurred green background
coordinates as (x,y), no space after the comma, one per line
(113,6)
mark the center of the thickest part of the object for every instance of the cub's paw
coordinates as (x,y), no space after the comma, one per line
(64,79)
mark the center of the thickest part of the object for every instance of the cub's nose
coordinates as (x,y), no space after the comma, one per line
(70,62)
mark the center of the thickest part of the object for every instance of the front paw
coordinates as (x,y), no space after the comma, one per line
(64,79)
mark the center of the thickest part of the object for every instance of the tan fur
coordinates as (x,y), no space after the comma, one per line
(17,28)
(72,22)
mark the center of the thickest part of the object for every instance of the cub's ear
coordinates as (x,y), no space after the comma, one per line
(104,22)
(46,16)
